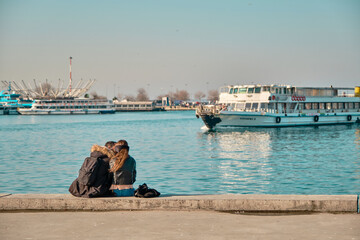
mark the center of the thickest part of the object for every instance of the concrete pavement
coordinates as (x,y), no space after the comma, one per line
(162,224)
(230,216)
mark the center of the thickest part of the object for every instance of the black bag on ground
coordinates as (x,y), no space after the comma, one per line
(144,192)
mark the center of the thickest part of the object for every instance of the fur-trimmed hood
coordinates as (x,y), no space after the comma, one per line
(103,150)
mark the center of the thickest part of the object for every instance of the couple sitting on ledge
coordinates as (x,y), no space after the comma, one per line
(109,171)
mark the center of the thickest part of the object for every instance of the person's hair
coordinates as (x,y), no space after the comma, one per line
(122,153)
(109,144)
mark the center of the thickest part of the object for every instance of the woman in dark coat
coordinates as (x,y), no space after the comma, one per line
(123,168)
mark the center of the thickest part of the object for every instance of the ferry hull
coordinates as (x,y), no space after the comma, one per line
(44,112)
(233,119)
(9,112)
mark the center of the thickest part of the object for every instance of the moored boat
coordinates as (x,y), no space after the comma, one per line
(136,106)
(281,106)
(68,106)
(10,101)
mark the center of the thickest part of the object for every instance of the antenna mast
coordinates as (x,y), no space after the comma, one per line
(70,78)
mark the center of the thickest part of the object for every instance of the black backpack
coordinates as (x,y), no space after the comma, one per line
(144,192)
(88,171)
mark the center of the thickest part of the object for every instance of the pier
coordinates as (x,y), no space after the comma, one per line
(230,216)
(227,202)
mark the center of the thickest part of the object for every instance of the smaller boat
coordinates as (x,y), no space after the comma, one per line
(137,106)
(10,101)
(68,106)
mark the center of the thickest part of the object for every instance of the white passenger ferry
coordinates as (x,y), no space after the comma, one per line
(281,106)
(68,106)
(136,106)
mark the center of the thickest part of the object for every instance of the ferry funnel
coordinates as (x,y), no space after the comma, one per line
(357,91)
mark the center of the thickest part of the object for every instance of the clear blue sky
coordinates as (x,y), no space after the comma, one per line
(166,45)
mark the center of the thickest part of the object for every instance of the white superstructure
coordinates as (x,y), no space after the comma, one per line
(68,106)
(281,105)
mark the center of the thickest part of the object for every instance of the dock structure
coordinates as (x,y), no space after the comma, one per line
(230,216)
(227,203)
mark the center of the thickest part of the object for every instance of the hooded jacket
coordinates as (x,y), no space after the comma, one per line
(102,180)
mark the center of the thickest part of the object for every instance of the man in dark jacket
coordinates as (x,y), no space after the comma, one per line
(94,178)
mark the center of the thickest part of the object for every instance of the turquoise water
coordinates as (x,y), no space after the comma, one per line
(176,155)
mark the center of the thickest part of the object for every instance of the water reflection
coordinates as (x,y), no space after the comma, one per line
(357,140)
(284,160)
(240,156)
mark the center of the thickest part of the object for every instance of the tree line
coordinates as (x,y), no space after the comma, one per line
(142,95)
(181,95)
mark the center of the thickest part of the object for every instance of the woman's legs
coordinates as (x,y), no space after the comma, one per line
(124,192)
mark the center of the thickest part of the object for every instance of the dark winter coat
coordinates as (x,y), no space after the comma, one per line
(126,175)
(94,178)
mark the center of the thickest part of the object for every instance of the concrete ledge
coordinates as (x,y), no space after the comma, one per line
(228,202)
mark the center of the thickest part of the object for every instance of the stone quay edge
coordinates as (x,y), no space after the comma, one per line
(226,202)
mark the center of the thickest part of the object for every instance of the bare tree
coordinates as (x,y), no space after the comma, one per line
(142,95)
(170,95)
(130,98)
(199,95)
(44,90)
(213,95)
(182,95)
(96,96)
(119,96)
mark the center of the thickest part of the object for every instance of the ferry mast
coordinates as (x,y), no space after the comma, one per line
(70,83)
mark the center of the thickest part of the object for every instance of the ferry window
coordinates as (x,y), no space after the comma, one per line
(235,90)
(351,105)
(250,90)
(292,106)
(258,90)
(242,90)
(231,90)
(284,90)
(321,105)
(262,105)
(308,106)
(255,105)
(315,106)
(240,106)
(247,105)
(328,106)
(266,89)
(334,105)
(356,105)
(346,106)
(271,106)
(143,105)
(224,90)
(148,105)
(137,105)
(301,106)
(277,90)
